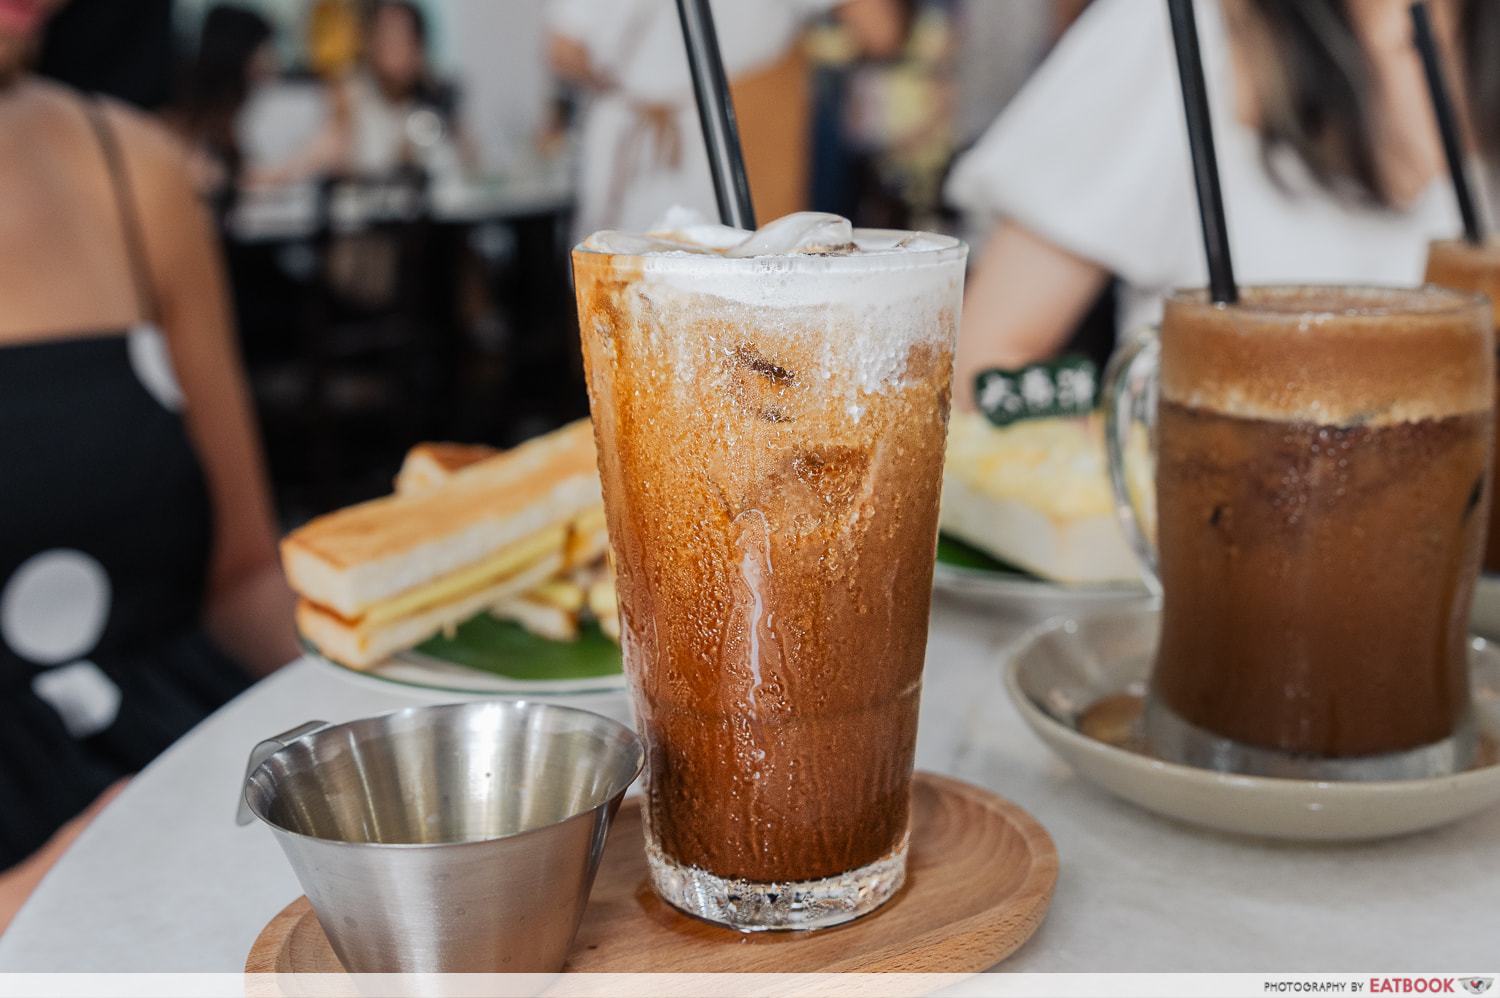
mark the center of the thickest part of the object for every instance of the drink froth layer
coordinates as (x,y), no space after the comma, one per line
(1330,356)
(1457,264)
(841,316)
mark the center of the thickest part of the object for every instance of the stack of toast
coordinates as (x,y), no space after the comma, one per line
(519,534)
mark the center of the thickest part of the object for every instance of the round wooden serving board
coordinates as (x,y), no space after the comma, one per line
(979,878)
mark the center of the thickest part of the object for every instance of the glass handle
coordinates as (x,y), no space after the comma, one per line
(263,751)
(1130,384)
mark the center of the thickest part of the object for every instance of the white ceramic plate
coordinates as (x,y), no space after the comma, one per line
(1018,586)
(1019,594)
(428,673)
(488,656)
(413,668)
(1027,597)
(1068,665)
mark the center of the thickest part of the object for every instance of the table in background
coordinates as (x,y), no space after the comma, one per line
(376,312)
(295,211)
(165,881)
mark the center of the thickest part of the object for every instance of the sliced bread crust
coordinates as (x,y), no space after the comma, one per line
(357,556)
(360,645)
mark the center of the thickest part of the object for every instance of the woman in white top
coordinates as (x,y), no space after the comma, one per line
(641,148)
(1329,157)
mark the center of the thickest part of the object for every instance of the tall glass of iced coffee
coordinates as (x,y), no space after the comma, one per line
(1464,266)
(1322,464)
(771,415)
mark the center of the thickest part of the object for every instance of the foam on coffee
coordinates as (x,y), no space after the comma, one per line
(1458,264)
(1357,357)
(802,265)
(683,230)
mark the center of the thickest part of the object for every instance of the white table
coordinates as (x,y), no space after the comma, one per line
(165,881)
(291,212)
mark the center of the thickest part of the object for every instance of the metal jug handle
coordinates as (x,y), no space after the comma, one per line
(264,751)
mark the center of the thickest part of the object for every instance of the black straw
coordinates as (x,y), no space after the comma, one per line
(1447,121)
(1205,163)
(726,160)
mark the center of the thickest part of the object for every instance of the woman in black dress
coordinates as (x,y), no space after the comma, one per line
(139,587)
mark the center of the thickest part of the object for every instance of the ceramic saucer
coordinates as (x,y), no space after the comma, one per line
(1078,682)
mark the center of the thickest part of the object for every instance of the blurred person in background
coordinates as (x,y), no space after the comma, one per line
(286,130)
(641,146)
(999,47)
(399,116)
(389,115)
(896,118)
(1329,155)
(139,583)
(235,56)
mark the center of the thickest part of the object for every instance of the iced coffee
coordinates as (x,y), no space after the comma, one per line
(1323,464)
(1466,267)
(771,414)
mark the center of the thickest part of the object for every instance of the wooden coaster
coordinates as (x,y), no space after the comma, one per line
(979,878)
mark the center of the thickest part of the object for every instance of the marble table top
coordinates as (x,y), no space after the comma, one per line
(165,880)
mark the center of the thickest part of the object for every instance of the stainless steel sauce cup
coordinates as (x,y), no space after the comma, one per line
(458,838)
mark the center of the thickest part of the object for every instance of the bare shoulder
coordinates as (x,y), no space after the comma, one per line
(156,160)
(54,100)
(175,220)
(156,156)
(174,225)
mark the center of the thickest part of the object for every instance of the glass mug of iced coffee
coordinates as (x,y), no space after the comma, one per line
(1322,467)
(771,415)
(1464,266)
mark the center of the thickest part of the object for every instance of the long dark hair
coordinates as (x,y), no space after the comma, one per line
(230,37)
(216,83)
(1318,103)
